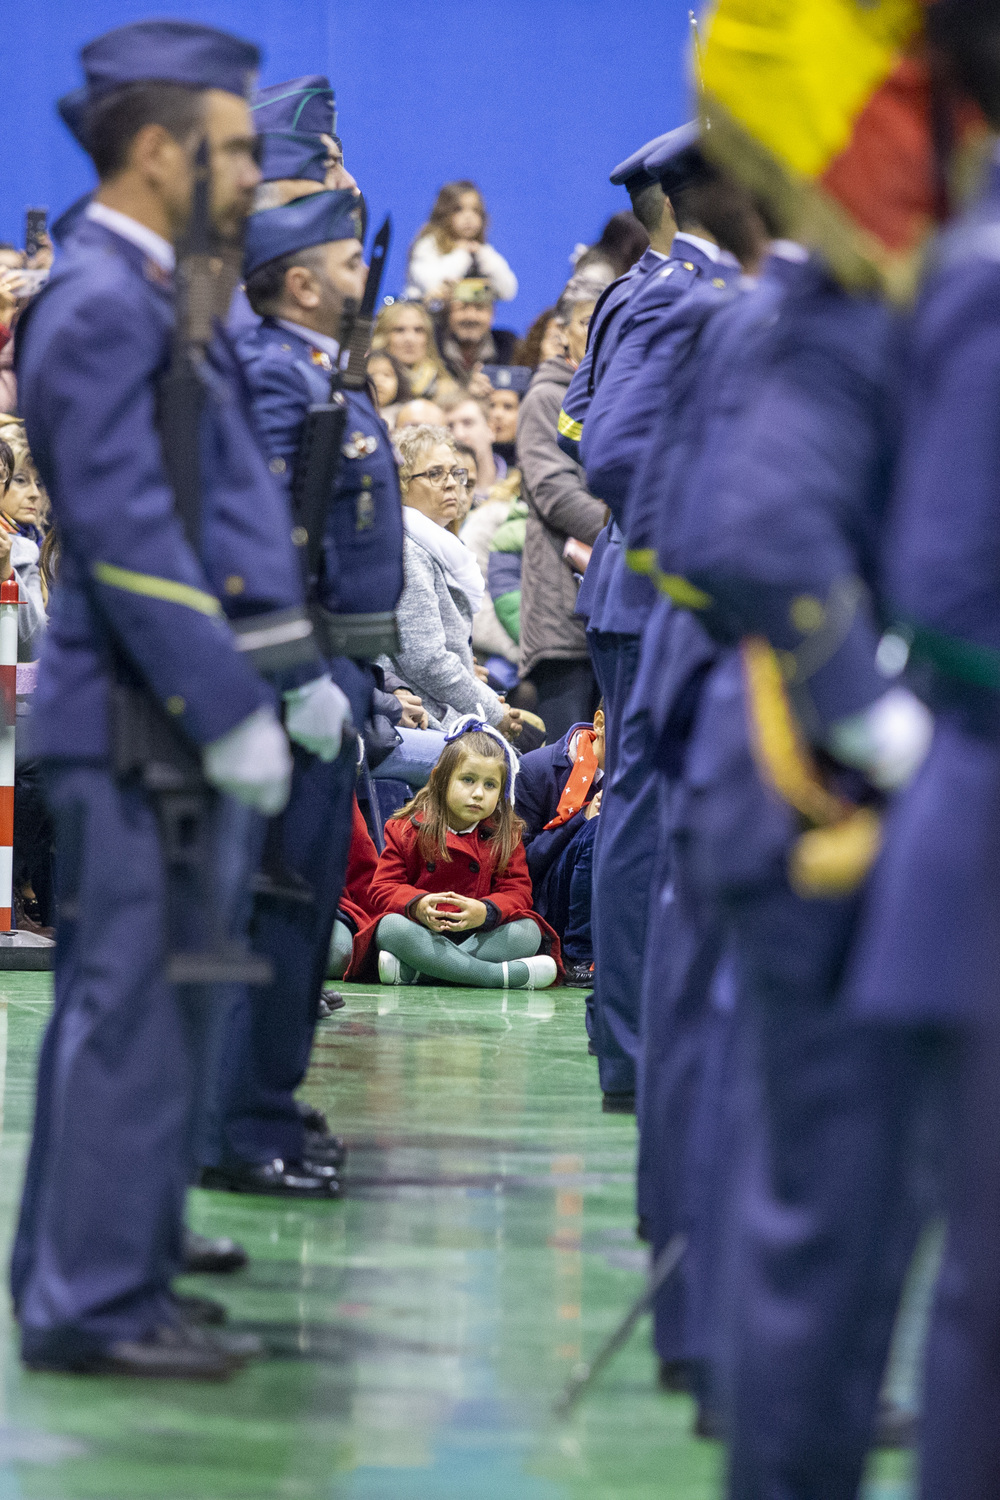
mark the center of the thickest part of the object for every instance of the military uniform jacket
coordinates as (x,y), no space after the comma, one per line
(930,942)
(602,339)
(601,343)
(792,518)
(90,352)
(653,350)
(362,570)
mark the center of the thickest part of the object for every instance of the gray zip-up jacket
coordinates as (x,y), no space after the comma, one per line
(559,506)
(435,655)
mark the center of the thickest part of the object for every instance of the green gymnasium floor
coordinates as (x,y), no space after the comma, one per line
(418,1330)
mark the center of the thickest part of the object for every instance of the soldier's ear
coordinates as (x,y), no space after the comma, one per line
(301,286)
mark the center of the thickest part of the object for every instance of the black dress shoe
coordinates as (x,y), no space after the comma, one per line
(172,1352)
(674,1376)
(329,1001)
(312,1118)
(580,976)
(201,1312)
(591,1048)
(328,1150)
(274,1179)
(618,1104)
(708,1424)
(217,1256)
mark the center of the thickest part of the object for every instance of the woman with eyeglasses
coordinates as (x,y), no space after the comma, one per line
(443,590)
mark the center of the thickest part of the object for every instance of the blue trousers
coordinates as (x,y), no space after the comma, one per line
(123,1071)
(269,1030)
(826,1215)
(624,857)
(682,1099)
(563,897)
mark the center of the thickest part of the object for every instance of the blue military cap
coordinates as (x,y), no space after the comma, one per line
(198,57)
(676,159)
(305,105)
(632,173)
(289,153)
(314,220)
(73,110)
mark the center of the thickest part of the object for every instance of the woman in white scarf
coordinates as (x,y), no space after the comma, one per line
(443,590)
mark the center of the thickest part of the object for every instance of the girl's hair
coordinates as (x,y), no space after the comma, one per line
(427,371)
(529,349)
(389,317)
(403,391)
(503,826)
(414,443)
(448,201)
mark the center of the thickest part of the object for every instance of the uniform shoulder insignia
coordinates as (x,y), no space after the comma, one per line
(321,358)
(359,444)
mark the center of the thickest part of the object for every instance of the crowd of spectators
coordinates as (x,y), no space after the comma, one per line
(498,520)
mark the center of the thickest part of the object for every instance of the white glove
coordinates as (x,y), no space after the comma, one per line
(888,741)
(317,715)
(252,763)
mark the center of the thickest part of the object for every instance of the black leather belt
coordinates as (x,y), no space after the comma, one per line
(362,637)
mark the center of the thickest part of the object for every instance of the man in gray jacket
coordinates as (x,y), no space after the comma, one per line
(560,509)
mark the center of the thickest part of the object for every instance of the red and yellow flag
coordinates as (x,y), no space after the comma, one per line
(825,108)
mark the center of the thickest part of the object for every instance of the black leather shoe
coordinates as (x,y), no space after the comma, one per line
(274,1179)
(326,1150)
(173,1352)
(329,1001)
(618,1104)
(674,1376)
(313,1118)
(200,1312)
(591,1048)
(217,1256)
(708,1424)
(580,976)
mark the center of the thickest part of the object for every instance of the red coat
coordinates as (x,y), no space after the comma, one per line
(362,862)
(403,876)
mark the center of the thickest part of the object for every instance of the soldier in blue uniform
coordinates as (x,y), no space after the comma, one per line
(685,1024)
(300,263)
(927,952)
(651,208)
(163,612)
(300,153)
(652,340)
(780,533)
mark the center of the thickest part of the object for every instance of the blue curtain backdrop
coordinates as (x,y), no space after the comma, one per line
(535,100)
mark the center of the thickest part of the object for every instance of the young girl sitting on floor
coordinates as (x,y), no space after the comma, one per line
(452,882)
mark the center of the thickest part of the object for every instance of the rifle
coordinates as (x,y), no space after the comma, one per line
(317,465)
(148,748)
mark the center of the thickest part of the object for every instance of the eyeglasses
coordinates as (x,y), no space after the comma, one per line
(439,476)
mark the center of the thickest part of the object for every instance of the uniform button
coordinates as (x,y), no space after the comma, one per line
(689,265)
(175,704)
(277,466)
(235,584)
(299,536)
(717,281)
(807,614)
(287,348)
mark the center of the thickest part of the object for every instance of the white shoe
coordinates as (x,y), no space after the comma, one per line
(541,972)
(391,971)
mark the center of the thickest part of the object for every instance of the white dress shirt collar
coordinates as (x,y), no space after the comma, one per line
(152,244)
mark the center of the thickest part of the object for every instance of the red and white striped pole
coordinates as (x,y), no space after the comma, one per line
(8,700)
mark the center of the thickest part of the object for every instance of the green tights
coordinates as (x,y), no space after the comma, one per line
(474,962)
